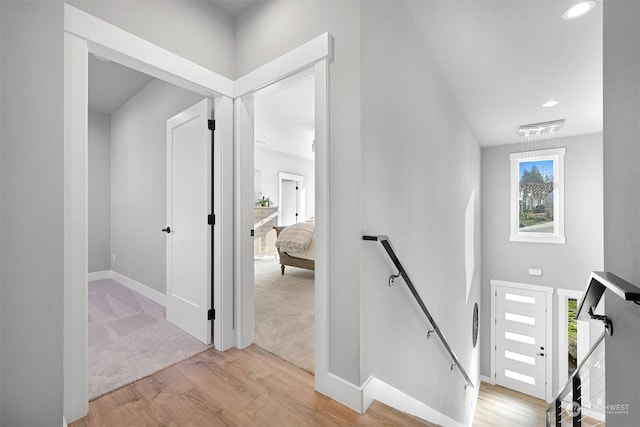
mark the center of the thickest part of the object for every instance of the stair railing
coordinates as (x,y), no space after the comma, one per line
(568,406)
(384,240)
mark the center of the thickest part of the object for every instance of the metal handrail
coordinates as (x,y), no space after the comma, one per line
(402,272)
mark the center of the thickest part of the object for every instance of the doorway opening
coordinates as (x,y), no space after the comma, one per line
(284,203)
(130,334)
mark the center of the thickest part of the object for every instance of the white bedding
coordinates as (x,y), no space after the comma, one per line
(308,254)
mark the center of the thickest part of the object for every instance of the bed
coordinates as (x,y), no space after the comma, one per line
(298,258)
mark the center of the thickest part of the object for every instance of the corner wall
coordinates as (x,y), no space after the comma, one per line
(139,181)
(421,187)
(622,207)
(199,31)
(564,265)
(99,192)
(32,213)
(267,31)
(271,162)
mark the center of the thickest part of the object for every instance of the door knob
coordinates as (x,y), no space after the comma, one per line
(167,230)
(539,354)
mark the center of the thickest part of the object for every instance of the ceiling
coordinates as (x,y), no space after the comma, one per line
(111,85)
(285,116)
(502,59)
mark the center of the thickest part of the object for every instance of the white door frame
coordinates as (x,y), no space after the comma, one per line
(313,54)
(290,177)
(548,333)
(583,334)
(85,33)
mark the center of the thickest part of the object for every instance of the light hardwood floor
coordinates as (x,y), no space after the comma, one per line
(499,406)
(252,387)
(247,387)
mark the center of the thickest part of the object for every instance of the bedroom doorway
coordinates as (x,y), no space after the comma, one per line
(284,193)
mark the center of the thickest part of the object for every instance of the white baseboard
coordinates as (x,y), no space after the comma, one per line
(374,389)
(99,275)
(346,393)
(64,422)
(487,380)
(138,287)
(134,285)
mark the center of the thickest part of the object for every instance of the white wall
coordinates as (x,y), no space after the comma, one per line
(197,30)
(420,167)
(31,216)
(270,163)
(99,209)
(621,204)
(138,181)
(263,33)
(564,266)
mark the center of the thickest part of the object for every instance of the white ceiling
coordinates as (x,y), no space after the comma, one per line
(504,59)
(501,58)
(235,7)
(285,116)
(111,85)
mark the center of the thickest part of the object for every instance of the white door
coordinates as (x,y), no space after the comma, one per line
(520,340)
(289,202)
(188,206)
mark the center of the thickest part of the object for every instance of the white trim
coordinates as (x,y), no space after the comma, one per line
(527,286)
(100,275)
(313,54)
(321,326)
(375,389)
(144,290)
(290,177)
(113,43)
(569,293)
(548,329)
(583,334)
(243,221)
(350,395)
(134,285)
(549,395)
(488,380)
(76,264)
(96,36)
(557,156)
(288,64)
(64,422)
(223,327)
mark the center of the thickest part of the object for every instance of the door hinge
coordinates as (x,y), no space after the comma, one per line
(211,219)
(211,314)
(253,233)
(212,124)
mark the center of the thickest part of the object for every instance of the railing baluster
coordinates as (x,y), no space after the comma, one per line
(576,407)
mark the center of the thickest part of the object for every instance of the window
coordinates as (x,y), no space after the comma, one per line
(537,196)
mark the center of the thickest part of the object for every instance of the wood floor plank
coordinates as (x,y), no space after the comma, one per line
(252,387)
(249,387)
(500,406)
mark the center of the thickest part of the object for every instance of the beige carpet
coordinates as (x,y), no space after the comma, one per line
(129,338)
(285,313)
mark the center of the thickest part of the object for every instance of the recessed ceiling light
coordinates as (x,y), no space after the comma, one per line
(550,103)
(579,9)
